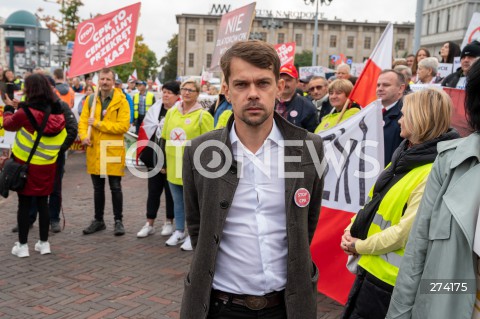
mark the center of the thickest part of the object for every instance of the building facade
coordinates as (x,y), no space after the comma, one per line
(3,60)
(354,39)
(446,20)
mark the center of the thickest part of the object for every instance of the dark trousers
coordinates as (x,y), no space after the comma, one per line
(156,184)
(23,217)
(369,298)
(138,122)
(99,196)
(227,310)
(55,198)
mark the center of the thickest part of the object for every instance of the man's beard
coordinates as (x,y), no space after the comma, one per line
(257,121)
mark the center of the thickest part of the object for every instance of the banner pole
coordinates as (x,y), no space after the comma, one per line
(92,110)
(343,111)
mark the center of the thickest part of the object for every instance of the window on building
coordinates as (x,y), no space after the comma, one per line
(333,41)
(401,44)
(191,34)
(209,35)
(264,36)
(350,42)
(448,20)
(191,58)
(298,39)
(428,24)
(281,38)
(438,22)
(367,43)
(209,60)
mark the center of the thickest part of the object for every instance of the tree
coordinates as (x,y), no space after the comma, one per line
(65,30)
(169,61)
(144,61)
(303,59)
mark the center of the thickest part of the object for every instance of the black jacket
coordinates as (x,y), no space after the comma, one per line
(452,79)
(391,130)
(301,112)
(71,126)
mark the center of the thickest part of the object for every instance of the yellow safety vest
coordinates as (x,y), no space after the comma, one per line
(385,267)
(47,150)
(223,119)
(148,102)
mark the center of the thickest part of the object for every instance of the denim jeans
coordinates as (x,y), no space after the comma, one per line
(99,196)
(178,210)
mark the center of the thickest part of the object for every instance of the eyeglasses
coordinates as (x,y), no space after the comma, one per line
(318,88)
(188,90)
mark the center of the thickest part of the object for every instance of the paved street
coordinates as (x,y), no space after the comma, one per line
(100,275)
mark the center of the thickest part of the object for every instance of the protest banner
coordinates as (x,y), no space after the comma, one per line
(444,69)
(234,26)
(309,71)
(105,41)
(357,69)
(458,119)
(473,31)
(286,52)
(354,154)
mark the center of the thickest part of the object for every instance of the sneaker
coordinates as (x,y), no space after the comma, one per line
(119,230)
(55,227)
(95,226)
(167,229)
(177,237)
(145,231)
(43,247)
(187,245)
(20,250)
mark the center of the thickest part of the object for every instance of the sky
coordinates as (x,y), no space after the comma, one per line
(158,23)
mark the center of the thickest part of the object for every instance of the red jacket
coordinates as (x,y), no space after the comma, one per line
(40,177)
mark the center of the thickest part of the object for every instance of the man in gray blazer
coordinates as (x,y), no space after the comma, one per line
(252,195)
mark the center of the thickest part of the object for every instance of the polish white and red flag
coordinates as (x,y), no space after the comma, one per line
(346,187)
(364,91)
(133,76)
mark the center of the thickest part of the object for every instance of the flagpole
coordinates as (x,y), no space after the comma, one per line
(343,111)
(92,109)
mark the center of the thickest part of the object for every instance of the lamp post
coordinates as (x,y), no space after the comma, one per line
(315,32)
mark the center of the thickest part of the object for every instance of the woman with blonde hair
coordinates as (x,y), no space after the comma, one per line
(379,233)
(338,92)
(184,121)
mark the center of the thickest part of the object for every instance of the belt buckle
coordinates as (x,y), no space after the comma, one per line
(255,302)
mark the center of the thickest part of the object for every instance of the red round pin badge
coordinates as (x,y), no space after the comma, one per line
(302,197)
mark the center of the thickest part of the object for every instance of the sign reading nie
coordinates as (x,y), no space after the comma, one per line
(234,27)
(105,41)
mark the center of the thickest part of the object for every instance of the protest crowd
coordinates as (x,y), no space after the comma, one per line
(253,233)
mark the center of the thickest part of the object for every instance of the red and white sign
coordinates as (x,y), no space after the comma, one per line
(234,27)
(105,41)
(473,31)
(354,154)
(302,197)
(286,52)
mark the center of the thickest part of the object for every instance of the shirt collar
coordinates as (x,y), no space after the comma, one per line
(391,105)
(275,135)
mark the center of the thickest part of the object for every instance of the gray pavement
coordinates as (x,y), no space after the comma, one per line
(99,275)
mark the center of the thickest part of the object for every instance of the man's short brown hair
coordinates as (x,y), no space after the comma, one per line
(108,70)
(258,53)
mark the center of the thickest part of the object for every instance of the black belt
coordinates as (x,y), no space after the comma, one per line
(251,302)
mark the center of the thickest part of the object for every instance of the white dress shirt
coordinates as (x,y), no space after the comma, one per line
(252,257)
